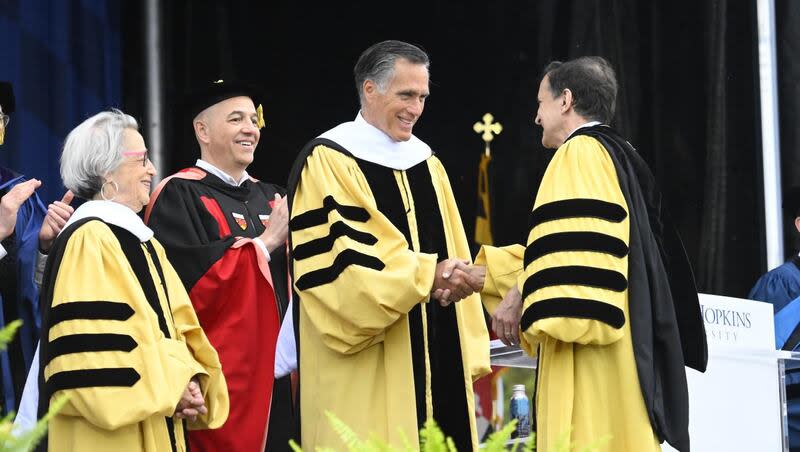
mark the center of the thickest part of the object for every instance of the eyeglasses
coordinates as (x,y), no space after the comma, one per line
(5,119)
(143,153)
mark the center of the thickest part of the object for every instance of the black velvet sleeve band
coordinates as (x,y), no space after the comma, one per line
(343,260)
(575,275)
(325,244)
(319,216)
(578,308)
(575,208)
(90,310)
(575,241)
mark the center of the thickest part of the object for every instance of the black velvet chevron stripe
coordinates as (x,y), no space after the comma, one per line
(343,260)
(320,216)
(90,310)
(575,275)
(575,241)
(90,378)
(575,208)
(325,244)
(79,343)
(578,308)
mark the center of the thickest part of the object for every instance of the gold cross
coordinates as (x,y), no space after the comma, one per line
(488,129)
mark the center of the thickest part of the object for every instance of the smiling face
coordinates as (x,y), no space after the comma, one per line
(228,134)
(135,174)
(397,109)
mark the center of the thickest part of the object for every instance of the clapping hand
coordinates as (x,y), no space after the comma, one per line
(58,214)
(10,204)
(274,236)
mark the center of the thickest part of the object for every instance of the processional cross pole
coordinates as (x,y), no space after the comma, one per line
(488,128)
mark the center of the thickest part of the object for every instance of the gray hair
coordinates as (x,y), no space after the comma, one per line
(92,150)
(377,63)
(593,84)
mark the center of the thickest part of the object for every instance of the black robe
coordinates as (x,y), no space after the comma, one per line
(201,221)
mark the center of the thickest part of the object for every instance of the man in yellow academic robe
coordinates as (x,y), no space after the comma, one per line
(603,293)
(374,229)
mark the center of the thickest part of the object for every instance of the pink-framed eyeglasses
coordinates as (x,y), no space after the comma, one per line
(142,152)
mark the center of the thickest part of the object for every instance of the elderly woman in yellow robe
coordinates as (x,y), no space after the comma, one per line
(119,335)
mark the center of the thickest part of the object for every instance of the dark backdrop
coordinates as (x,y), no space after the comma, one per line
(63,60)
(688,98)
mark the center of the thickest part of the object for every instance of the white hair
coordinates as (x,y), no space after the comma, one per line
(92,150)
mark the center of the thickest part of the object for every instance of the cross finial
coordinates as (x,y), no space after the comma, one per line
(488,129)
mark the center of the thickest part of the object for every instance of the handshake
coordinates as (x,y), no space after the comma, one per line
(456,279)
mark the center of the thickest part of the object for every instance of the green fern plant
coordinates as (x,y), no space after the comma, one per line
(431,437)
(27,441)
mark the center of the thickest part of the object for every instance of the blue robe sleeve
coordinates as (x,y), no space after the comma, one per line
(779,286)
(29,220)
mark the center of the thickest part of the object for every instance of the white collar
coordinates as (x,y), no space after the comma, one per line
(222,174)
(588,124)
(114,213)
(369,143)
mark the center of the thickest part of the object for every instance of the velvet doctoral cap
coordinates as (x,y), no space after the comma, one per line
(217,91)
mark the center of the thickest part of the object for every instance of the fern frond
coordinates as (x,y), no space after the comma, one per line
(7,333)
(431,438)
(6,433)
(497,440)
(29,439)
(375,444)
(406,443)
(530,443)
(346,434)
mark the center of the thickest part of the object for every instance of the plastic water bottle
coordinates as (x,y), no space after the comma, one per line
(520,410)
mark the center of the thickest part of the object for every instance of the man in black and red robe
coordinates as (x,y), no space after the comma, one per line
(225,233)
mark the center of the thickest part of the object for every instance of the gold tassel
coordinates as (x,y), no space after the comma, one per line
(260,122)
(483,219)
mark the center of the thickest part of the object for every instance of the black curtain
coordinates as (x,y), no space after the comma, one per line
(787,16)
(688,96)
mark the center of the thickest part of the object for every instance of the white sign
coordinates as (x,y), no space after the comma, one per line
(735,405)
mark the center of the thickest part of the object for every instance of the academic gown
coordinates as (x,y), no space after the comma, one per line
(374,350)
(787,337)
(779,286)
(120,339)
(207,227)
(19,295)
(609,301)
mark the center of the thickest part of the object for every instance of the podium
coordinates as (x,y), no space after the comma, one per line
(739,403)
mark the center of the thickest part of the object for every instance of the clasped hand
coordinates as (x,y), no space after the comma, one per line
(192,402)
(456,279)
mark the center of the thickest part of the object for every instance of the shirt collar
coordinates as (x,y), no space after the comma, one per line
(588,124)
(370,143)
(222,174)
(113,213)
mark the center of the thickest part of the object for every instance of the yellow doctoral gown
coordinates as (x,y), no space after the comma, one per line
(573,279)
(106,351)
(373,350)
